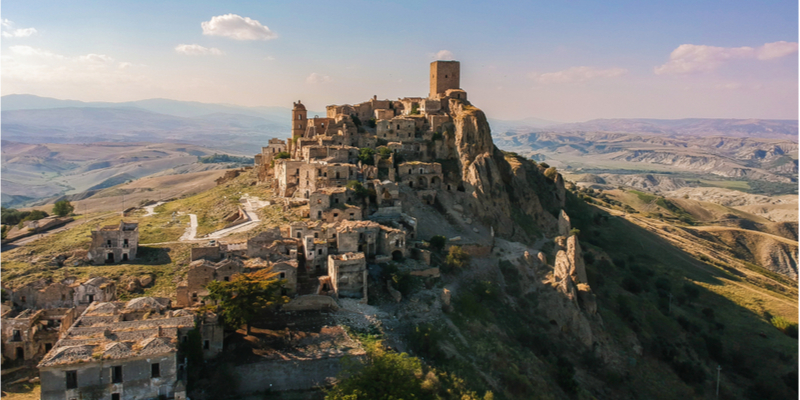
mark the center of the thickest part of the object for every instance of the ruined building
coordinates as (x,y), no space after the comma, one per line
(114,243)
(127,350)
(30,334)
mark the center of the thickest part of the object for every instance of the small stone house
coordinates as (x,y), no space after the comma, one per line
(32,333)
(114,243)
(192,290)
(348,275)
(95,289)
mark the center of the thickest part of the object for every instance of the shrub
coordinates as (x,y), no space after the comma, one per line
(359,189)
(457,258)
(565,376)
(544,165)
(574,232)
(437,242)
(282,154)
(632,285)
(385,152)
(691,291)
(366,156)
(550,173)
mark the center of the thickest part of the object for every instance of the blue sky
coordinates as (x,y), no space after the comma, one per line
(562,61)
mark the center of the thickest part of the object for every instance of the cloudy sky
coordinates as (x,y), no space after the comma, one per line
(566,61)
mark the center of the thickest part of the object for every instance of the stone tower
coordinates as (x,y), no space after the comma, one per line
(444,75)
(299,120)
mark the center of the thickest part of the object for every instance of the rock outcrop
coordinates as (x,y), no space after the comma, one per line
(503,195)
(564,225)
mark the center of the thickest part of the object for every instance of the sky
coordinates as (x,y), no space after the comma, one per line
(564,61)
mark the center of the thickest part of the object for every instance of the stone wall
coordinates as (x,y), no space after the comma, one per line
(281,375)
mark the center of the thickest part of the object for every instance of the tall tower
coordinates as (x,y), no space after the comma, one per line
(444,75)
(299,120)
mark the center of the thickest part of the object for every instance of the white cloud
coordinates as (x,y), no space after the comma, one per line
(443,55)
(315,78)
(197,50)
(691,58)
(578,74)
(33,65)
(12,33)
(32,51)
(236,27)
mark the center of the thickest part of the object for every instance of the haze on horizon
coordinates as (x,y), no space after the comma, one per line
(562,62)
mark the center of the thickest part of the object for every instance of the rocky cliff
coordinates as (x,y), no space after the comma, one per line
(503,186)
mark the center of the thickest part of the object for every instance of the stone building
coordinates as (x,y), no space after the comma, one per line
(114,243)
(420,175)
(397,129)
(95,289)
(271,245)
(44,293)
(286,270)
(127,350)
(192,290)
(445,75)
(348,275)
(330,205)
(32,333)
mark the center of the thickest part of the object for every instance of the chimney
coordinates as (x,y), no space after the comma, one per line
(160,333)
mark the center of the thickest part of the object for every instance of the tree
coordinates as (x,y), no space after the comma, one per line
(366,156)
(62,208)
(246,295)
(387,375)
(385,152)
(359,189)
(438,242)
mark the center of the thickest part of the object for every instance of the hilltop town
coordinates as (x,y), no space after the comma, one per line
(397,219)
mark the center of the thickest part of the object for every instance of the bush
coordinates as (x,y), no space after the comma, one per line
(366,156)
(437,242)
(357,188)
(565,376)
(282,154)
(544,165)
(385,152)
(574,232)
(632,285)
(550,173)
(456,259)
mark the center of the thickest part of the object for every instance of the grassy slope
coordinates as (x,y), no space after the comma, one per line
(743,306)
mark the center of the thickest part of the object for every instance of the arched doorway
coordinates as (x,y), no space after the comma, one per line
(397,255)
(435,182)
(422,183)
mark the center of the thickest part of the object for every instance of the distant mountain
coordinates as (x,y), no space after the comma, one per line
(188,109)
(752,128)
(241,134)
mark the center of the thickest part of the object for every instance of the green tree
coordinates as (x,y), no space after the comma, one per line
(438,242)
(366,156)
(359,189)
(385,152)
(62,208)
(387,375)
(246,296)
